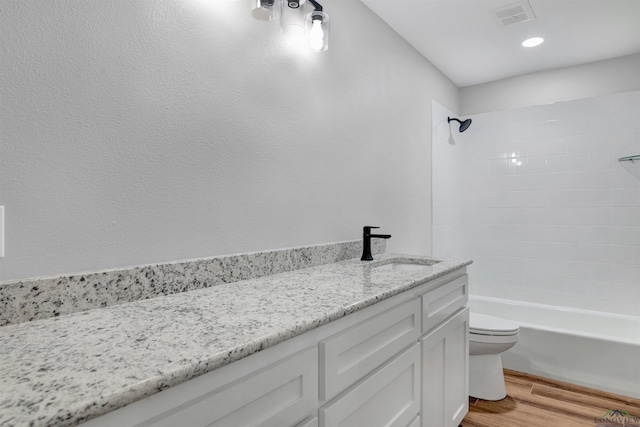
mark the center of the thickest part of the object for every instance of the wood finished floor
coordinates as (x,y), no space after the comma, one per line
(534,401)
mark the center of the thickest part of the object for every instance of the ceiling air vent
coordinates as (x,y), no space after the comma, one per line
(513,13)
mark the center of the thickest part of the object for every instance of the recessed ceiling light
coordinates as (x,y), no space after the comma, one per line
(533,42)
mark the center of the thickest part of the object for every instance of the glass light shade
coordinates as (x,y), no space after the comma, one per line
(292,21)
(265,10)
(317,28)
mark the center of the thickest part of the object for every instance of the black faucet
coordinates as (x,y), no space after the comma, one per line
(366,242)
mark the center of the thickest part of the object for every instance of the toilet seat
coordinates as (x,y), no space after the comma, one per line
(482,324)
(494,339)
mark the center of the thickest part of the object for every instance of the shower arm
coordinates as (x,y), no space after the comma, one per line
(629,159)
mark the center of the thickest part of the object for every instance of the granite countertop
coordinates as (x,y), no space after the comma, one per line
(66,370)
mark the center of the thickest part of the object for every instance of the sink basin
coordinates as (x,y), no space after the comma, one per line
(400,266)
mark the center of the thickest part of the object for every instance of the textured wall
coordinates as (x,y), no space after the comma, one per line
(141,131)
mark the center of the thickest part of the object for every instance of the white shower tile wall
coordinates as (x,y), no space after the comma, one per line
(537,198)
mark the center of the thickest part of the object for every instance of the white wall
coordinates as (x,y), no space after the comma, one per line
(547,212)
(581,81)
(137,132)
(449,179)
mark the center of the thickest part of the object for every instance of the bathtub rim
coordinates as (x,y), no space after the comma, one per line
(566,331)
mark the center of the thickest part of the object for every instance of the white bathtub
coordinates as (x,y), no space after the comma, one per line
(589,348)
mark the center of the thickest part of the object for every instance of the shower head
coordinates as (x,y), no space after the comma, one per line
(463,125)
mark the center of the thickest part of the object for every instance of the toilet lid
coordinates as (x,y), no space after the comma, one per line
(483,324)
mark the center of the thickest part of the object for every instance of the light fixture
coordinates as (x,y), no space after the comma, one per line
(292,19)
(265,10)
(315,26)
(533,42)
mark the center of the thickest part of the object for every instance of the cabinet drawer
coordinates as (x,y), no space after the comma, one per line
(389,397)
(442,302)
(277,395)
(349,356)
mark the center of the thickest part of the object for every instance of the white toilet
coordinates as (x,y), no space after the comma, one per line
(488,337)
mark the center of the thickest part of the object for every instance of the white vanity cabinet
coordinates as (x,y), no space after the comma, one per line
(445,377)
(400,362)
(388,397)
(349,356)
(445,354)
(373,368)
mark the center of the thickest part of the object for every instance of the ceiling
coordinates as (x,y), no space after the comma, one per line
(462,39)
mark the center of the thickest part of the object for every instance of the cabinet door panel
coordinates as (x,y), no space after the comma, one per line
(440,303)
(457,369)
(349,356)
(388,397)
(445,367)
